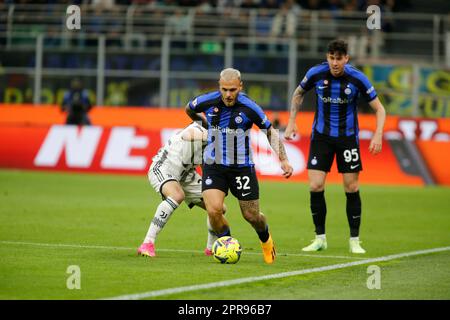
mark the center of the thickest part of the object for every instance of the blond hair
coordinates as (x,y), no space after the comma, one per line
(230,74)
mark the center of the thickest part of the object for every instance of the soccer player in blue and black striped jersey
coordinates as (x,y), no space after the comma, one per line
(229,115)
(337,85)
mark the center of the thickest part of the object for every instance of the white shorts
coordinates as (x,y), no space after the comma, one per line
(191,182)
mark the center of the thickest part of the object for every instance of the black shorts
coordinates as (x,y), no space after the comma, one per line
(242,182)
(323,148)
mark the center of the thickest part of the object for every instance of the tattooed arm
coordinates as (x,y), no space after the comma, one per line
(296,102)
(278,146)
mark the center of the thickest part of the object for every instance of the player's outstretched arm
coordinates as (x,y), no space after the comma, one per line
(278,146)
(196,116)
(296,102)
(377,139)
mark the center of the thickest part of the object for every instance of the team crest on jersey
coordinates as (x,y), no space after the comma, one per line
(208,181)
(238,119)
(216,109)
(325,82)
(314,161)
(348,91)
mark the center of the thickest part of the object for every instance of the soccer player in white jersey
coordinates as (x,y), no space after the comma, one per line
(173,175)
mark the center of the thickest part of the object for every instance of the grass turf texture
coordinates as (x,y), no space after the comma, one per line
(115,211)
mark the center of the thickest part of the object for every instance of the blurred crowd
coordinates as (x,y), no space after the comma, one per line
(274,19)
(354,5)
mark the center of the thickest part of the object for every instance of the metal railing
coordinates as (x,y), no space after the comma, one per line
(139,34)
(411,35)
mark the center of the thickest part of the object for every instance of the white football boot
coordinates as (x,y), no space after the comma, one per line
(355,246)
(319,243)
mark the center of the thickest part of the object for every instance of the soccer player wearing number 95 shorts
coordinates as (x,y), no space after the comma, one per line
(338,86)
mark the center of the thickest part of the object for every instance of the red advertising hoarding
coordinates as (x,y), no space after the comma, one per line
(126,139)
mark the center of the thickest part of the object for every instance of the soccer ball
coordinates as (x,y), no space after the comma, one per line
(226,250)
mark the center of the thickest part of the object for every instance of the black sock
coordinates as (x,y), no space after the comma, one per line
(264,235)
(353,212)
(318,210)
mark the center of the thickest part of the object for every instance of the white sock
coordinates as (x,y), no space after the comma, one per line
(354,238)
(162,215)
(321,236)
(211,234)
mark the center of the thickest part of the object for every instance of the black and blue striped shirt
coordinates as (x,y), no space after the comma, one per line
(229,128)
(336,109)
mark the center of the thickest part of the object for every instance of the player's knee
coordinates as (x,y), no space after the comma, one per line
(351,187)
(178,196)
(316,186)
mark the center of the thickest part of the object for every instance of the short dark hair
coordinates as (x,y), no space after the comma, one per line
(338,46)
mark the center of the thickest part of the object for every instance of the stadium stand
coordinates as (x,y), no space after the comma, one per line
(167,44)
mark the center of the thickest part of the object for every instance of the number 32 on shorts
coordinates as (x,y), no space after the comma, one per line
(242,183)
(351,155)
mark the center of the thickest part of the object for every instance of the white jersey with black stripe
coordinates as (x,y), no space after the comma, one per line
(180,155)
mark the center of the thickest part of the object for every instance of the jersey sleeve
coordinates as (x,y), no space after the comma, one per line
(367,89)
(255,112)
(202,102)
(259,118)
(307,82)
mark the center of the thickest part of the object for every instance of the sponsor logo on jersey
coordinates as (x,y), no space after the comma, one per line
(194,103)
(370,90)
(226,130)
(333,100)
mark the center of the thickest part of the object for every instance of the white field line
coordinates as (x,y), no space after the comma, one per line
(228,283)
(81,246)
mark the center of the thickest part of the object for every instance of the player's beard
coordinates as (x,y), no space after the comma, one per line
(229,103)
(337,72)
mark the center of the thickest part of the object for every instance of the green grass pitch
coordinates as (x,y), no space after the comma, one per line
(50,221)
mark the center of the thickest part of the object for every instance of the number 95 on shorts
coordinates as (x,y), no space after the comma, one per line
(323,149)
